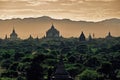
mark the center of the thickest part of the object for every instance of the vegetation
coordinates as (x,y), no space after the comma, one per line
(98,59)
(89,75)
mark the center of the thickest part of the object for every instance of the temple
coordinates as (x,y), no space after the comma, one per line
(61,73)
(52,33)
(89,37)
(13,35)
(109,36)
(82,37)
(6,37)
(30,37)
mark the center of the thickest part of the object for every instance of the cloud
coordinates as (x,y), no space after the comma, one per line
(73,9)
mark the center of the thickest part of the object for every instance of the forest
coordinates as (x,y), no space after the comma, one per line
(35,59)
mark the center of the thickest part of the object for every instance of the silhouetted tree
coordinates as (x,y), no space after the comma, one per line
(34,72)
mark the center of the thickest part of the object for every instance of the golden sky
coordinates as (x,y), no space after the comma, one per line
(90,10)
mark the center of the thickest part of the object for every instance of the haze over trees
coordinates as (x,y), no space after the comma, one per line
(35,59)
(38,27)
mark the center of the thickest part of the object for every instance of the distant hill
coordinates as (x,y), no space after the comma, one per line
(68,28)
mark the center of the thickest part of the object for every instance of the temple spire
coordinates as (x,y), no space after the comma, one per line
(109,35)
(30,37)
(82,37)
(37,38)
(13,35)
(6,37)
(93,35)
(52,25)
(89,37)
(13,29)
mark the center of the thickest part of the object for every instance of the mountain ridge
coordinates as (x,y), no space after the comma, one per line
(47,17)
(68,28)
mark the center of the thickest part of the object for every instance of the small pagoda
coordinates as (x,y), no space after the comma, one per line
(82,37)
(60,72)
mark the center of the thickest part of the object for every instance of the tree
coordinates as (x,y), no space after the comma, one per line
(6,63)
(10,74)
(92,62)
(108,71)
(89,75)
(72,59)
(82,48)
(34,72)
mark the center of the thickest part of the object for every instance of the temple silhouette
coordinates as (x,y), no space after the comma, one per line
(53,33)
(82,37)
(13,36)
(60,72)
(109,36)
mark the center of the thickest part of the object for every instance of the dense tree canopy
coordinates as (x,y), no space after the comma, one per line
(35,59)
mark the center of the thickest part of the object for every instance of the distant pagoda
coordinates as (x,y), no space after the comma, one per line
(30,37)
(82,37)
(90,37)
(109,36)
(61,73)
(6,37)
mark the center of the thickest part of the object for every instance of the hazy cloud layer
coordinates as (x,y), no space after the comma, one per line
(72,9)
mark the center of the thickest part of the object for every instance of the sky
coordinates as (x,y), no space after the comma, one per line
(88,10)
